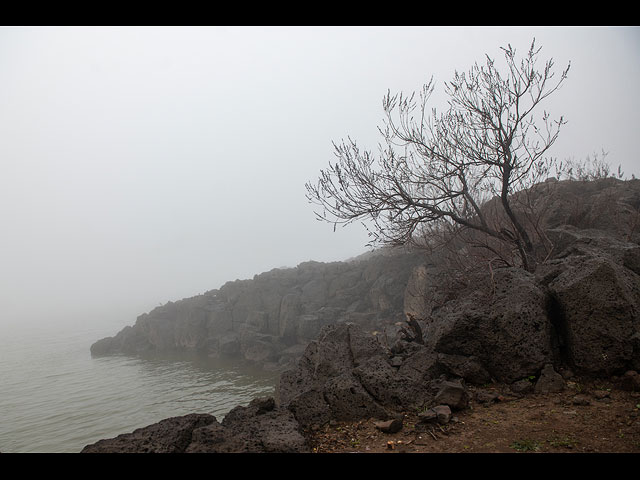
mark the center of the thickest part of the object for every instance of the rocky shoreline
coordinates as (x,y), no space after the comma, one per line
(389,334)
(345,376)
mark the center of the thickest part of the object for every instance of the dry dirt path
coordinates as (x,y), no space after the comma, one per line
(593,418)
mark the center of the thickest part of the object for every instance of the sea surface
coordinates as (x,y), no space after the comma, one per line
(56,398)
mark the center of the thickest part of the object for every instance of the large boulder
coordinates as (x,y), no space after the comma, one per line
(498,328)
(346,375)
(323,381)
(595,285)
(390,387)
(259,427)
(451,393)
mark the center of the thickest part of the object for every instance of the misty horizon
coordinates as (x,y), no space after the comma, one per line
(143,165)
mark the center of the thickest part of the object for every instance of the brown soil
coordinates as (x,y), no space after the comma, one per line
(585,418)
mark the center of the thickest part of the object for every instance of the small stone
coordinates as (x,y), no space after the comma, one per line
(443,414)
(566,374)
(428,416)
(440,414)
(389,426)
(453,394)
(484,396)
(630,381)
(396,361)
(550,381)
(581,400)
(521,387)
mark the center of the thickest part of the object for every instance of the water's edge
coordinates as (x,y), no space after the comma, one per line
(56,398)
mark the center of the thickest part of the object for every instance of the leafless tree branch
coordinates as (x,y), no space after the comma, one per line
(438,169)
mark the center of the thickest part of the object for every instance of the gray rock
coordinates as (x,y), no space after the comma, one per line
(581,400)
(522,387)
(390,387)
(421,365)
(290,309)
(549,381)
(630,381)
(348,400)
(309,326)
(172,435)
(599,300)
(229,344)
(310,408)
(428,416)
(260,352)
(389,426)
(453,394)
(443,413)
(439,414)
(469,368)
(501,324)
(325,384)
(260,427)
(486,396)
(396,361)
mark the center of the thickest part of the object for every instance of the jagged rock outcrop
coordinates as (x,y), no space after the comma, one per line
(259,427)
(171,435)
(269,319)
(595,288)
(345,374)
(581,307)
(349,374)
(502,326)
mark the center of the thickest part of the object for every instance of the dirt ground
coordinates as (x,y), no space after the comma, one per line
(585,418)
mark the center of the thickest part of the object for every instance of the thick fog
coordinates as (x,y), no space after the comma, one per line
(143,165)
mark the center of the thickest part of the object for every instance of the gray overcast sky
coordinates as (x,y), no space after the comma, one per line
(142,165)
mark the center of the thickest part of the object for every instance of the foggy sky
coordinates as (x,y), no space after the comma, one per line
(143,165)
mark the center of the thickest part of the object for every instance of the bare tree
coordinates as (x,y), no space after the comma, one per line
(436,171)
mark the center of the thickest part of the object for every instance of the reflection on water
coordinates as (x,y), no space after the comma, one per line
(54,397)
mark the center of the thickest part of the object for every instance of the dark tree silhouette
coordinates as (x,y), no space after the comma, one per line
(437,170)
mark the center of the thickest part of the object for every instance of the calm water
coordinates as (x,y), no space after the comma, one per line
(54,397)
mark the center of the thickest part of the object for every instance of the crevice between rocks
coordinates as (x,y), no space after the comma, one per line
(559,334)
